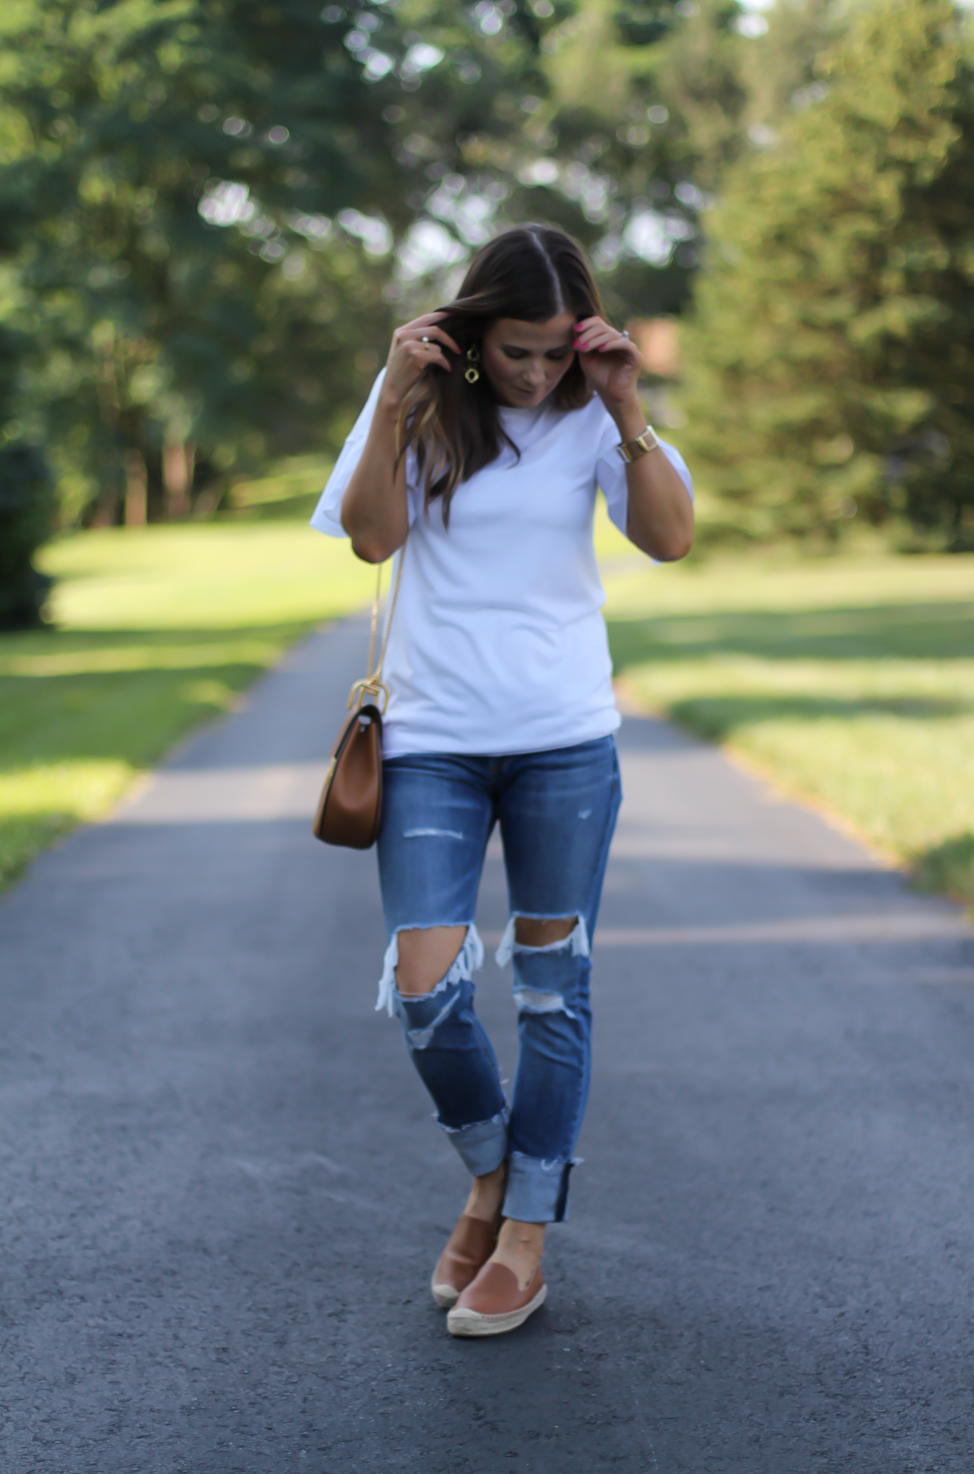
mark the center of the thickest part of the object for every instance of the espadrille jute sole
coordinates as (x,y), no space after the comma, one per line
(463,1322)
(446,1296)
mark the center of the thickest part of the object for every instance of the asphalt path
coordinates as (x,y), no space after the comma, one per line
(222,1193)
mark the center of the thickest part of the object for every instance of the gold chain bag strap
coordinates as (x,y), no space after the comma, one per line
(350,805)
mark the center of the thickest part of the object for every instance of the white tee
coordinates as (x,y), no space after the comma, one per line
(498,644)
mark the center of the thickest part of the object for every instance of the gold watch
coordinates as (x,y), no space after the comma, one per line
(631,450)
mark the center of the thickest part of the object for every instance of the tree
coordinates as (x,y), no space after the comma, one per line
(155,330)
(600,155)
(831,348)
(642,109)
(26,504)
(201,210)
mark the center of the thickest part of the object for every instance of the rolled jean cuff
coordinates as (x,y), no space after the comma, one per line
(482,1146)
(537,1190)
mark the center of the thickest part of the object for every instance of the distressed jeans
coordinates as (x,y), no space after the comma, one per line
(557,812)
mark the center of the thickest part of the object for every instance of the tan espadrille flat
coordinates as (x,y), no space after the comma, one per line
(494,1303)
(468,1248)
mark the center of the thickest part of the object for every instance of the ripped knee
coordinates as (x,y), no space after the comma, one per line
(416,979)
(546,953)
(530,931)
(426,954)
(423,1013)
(567,934)
(538,1000)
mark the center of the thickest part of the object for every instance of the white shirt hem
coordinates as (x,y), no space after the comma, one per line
(412,748)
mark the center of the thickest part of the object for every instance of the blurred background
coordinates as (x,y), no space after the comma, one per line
(212,215)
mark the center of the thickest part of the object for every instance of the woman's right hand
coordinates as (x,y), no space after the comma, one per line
(415,346)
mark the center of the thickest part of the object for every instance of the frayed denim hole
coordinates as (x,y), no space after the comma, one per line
(432,834)
(576,942)
(533,1000)
(406,1004)
(441,987)
(544,977)
(387,982)
(467,961)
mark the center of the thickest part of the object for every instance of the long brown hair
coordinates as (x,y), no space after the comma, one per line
(531,273)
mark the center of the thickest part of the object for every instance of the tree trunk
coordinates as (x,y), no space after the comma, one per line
(177,476)
(136,489)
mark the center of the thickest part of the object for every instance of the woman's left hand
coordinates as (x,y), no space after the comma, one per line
(610,361)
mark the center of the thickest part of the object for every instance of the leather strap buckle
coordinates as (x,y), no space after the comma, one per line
(376,689)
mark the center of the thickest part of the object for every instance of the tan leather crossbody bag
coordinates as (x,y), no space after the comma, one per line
(350,806)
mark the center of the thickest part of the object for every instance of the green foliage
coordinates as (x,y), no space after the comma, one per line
(831,351)
(643,109)
(26,504)
(200,201)
(26,523)
(208,208)
(948,867)
(212,213)
(605,154)
(201,204)
(153,325)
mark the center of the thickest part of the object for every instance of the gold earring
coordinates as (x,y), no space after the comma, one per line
(472,374)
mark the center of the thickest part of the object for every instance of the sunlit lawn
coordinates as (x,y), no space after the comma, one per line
(157,629)
(850,681)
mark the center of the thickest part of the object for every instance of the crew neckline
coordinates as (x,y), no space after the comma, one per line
(524,411)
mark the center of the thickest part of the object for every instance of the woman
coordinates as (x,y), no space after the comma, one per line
(484,439)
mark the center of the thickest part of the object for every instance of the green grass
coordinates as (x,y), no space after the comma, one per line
(849,681)
(157,629)
(283,492)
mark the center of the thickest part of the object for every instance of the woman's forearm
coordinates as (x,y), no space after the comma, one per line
(374,508)
(660,519)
